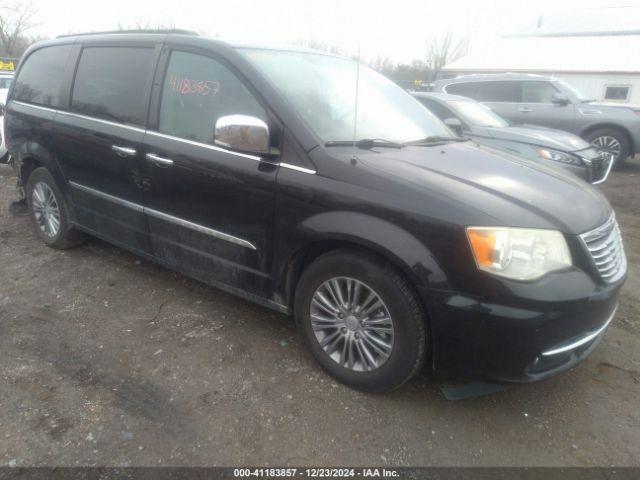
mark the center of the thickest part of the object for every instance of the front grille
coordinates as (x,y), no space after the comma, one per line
(604,245)
(600,167)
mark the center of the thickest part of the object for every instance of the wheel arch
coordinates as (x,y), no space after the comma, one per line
(587,130)
(367,234)
(32,155)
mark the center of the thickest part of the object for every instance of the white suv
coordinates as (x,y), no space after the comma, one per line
(5,82)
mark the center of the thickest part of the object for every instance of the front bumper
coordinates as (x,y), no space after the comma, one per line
(535,331)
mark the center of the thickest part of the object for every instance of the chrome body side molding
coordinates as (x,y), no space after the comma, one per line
(164,216)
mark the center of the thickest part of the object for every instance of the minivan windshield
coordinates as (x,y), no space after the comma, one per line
(477,114)
(322,88)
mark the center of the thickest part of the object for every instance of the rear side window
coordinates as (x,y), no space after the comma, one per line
(40,77)
(110,83)
(197,91)
(499,92)
(464,89)
(538,92)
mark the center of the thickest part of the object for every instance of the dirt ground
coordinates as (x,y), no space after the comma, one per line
(106,359)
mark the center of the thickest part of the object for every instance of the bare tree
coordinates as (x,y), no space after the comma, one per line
(318,45)
(16,19)
(442,51)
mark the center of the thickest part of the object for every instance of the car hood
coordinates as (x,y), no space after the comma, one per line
(511,190)
(540,136)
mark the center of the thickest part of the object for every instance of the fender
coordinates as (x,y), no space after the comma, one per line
(37,152)
(393,243)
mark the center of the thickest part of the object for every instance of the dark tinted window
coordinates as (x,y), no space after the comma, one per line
(617,92)
(110,83)
(537,92)
(464,89)
(499,91)
(5,82)
(40,77)
(197,91)
(437,109)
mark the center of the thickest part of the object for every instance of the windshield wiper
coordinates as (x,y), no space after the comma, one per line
(435,139)
(365,143)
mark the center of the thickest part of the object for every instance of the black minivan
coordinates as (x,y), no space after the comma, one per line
(317,187)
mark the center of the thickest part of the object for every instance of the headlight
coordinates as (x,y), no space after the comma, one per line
(518,253)
(556,156)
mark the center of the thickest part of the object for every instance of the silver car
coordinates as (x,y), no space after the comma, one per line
(546,101)
(473,120)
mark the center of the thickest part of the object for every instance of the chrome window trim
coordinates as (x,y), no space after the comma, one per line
(586,339)
(164,216)
(297,168)
(166,136)
(37,107)
(205,145)
(99,120)
(83,117)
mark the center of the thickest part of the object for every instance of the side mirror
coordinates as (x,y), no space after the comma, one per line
(243,133)
(454,124)
(559,98)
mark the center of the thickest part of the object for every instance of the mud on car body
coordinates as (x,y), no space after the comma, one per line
(397,246)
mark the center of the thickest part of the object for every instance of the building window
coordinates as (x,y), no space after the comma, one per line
(619,93)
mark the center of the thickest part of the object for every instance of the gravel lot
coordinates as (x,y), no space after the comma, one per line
(106,359)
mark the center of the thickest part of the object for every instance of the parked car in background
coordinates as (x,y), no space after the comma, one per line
(399,244)
(4,154)
(476,121)
(539,100)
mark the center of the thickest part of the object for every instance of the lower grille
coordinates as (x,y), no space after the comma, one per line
(604,245)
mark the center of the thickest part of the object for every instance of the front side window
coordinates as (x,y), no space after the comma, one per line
(322,89)
(40,78)
(538,92)
(499,91)
(110,83)
(197,91)
(618,93)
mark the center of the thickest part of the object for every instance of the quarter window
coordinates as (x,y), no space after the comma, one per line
(538,92)
(110,83)
(40,78)
(197,91)
(617,92)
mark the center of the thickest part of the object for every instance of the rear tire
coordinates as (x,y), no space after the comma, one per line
(49,211)
(396,347)
(612,141)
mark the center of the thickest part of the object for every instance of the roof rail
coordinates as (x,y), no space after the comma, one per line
(158,31)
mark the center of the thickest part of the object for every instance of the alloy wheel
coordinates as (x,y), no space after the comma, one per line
(45,209)
(352,324)
(608,145)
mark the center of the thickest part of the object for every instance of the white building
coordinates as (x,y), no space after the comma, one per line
(596,50)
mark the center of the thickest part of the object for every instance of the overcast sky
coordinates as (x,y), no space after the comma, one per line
(399,29)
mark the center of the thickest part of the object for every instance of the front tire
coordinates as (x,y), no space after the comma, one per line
(361,321)
(611,141)
(49,211)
